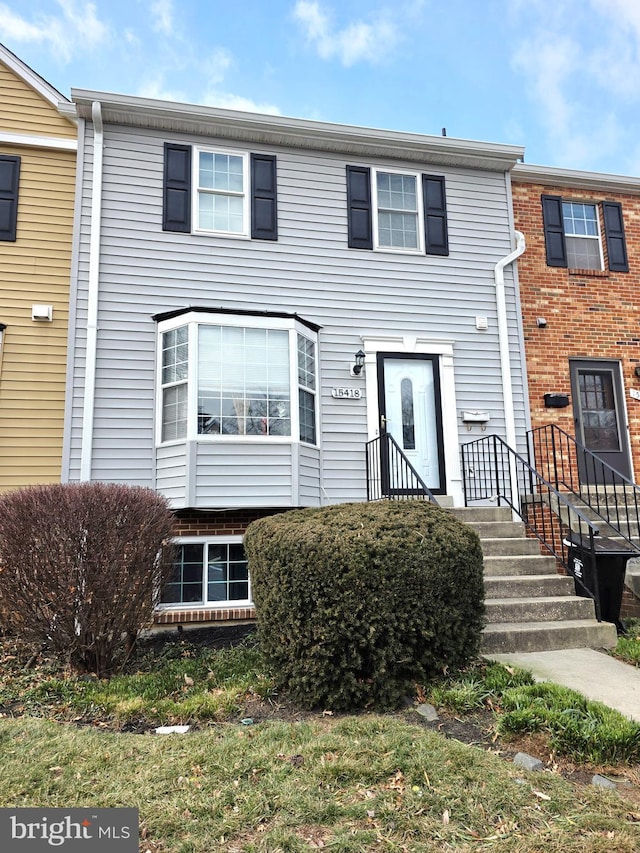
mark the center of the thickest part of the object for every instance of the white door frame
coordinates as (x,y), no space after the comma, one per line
(415,345)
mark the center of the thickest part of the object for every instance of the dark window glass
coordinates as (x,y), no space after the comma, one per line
(408,420)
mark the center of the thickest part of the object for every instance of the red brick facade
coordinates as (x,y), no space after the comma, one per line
(589,314)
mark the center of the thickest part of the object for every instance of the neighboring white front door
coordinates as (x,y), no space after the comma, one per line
(409,398)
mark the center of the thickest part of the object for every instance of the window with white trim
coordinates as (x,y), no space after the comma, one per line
(398,211)
(209,572)
(221,198)
(233,377)
(582,235)
(175,371)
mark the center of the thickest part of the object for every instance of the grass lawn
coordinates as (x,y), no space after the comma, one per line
(306,782)
(353,784)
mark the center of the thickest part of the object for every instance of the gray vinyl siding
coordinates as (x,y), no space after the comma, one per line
(171,478)
(244,475)
(310,270)
(309,490)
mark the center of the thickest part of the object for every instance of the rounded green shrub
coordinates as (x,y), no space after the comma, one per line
(356,602)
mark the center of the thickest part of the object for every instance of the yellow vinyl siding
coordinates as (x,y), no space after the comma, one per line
(35,269)
(25,111)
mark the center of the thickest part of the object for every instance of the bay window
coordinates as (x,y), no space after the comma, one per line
(228,377)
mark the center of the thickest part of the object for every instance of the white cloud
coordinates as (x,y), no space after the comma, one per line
(77,28)
(580,65)
(15,28)
(228,101)
(216,65)
(617,54)
(357,41)
(162,16)
(156,89)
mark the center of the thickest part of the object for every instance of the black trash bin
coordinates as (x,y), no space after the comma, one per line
(608,560)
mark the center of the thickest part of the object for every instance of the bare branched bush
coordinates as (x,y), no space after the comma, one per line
(81,567)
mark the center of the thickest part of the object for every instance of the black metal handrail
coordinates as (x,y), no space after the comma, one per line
(572,467)
(493,471)
(390,474)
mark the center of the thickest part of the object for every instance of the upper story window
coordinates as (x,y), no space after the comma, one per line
(582,235)
(396,211)
(9,181)
(219,192)
(221,197)
(225,376)
(572,234)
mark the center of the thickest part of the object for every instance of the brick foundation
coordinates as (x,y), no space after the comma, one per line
(229,522)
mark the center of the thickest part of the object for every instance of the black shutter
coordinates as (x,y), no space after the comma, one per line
(264,197)
(436,233)
(9,182)
(554,231)
(359,207)
(176,213)
(614,232)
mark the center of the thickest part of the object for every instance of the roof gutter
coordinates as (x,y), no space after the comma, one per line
(130,110)
(92,295)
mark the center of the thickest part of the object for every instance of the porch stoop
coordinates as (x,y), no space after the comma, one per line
(529,606)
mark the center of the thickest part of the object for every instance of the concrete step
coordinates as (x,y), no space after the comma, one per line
(498,529)
(528,586)
(547,636)
(519,564)
(502,547)
(552,608)
(470,514)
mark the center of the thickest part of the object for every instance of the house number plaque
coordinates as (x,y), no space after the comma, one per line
(347,393)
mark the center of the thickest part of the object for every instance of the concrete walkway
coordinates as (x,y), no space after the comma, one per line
(594,674)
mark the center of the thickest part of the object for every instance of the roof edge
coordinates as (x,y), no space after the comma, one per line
(531,174)
(32,78)
(282,130)
(239,312)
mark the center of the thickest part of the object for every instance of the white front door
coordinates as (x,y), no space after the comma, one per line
(410,410)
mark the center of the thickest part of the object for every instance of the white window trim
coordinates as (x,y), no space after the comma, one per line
(204,605)
(420,250)
(196,190)
(195,319)
(598,237)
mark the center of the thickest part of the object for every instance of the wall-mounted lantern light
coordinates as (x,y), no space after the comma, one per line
(357,367)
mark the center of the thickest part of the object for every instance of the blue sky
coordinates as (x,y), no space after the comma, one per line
(561,77)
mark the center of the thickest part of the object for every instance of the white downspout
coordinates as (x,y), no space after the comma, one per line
(92,295)
(505,357)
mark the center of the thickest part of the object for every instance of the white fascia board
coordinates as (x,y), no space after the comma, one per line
(298,133)
(33,141)
(574,178)
(30,77)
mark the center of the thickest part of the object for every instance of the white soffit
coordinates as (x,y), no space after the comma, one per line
(188,119)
